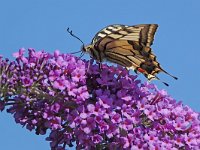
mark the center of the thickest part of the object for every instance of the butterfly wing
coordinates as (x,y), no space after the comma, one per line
(129,46)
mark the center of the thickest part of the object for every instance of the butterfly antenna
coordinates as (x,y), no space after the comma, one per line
(70,32)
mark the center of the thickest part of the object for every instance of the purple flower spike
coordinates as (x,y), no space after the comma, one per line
(96,109)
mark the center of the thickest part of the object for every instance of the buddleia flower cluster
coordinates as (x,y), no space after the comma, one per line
(90,108)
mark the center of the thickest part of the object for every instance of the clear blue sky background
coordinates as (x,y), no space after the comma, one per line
(41,24)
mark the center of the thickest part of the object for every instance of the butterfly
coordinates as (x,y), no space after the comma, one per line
(128,46)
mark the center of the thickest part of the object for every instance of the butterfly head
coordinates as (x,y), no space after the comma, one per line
(90,49)
(87,48)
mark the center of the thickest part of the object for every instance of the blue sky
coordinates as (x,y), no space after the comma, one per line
(41,24)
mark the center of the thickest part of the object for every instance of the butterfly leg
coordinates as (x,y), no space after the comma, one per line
(136,72)
(100,66)
(89,63)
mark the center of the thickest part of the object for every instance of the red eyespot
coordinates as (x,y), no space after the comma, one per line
(141,70)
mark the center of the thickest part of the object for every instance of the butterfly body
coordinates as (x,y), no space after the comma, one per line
(128,46)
